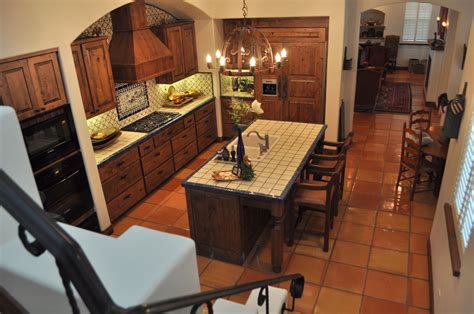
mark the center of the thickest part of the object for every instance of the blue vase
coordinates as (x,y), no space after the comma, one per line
(240,147)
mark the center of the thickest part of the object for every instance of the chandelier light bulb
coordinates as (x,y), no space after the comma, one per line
(444,24)
(277,57)
(208,58)
(283,53)
(222,61)
(218,54)
(438,18)
(253,62)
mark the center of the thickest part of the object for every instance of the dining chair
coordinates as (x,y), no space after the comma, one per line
(413,165)
(317,195)
(420,119)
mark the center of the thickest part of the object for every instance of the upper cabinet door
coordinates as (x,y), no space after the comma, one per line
(82,78)
(47,81)
(16,88)
(175,44)
(99,74)
(189,44)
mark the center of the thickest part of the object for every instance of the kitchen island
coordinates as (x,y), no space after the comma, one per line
(226,218)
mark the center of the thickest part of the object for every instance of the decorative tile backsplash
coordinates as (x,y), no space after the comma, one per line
(132,99)
(156,94)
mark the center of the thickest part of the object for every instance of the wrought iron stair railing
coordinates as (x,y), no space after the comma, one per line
(75,268)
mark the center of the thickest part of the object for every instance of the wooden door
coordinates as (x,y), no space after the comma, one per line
(47,81)
(16,88)
(175,44)
(82,78)
(304,80)
(189,49)
(99,75)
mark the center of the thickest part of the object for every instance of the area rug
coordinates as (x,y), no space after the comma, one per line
(394,97)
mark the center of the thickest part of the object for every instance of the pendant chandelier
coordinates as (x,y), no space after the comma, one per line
(246,50)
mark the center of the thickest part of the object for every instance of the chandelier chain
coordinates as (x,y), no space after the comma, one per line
(245,9)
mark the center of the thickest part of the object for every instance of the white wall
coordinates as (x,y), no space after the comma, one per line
(451,294)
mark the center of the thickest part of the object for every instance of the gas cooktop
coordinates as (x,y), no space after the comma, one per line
(151,122)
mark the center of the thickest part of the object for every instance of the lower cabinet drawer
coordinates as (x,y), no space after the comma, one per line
(159,175)
(185,155)
(121,181)
(207,123)
(206,139)
(155,158)
(183,139)
(111,168)
(127,199)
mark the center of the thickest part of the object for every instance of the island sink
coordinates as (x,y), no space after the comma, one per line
(252,146)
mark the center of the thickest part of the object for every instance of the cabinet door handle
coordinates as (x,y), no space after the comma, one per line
(184,136)
(126,197)
(37,110)
(123,177)
(43,109)
(157,154)
(160,172)
(120,164)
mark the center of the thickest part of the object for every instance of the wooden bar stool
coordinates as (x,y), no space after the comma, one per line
(317,195)
(413,165)
(339,148)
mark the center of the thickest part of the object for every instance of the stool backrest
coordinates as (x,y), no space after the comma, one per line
(420,119)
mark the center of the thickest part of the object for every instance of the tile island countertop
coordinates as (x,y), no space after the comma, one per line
(127,139)
(275,174)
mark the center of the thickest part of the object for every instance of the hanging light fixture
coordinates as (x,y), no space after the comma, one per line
(246,50)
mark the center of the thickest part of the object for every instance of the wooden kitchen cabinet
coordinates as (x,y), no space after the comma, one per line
(181,40)
(94,72)
(136,172)
(32,83)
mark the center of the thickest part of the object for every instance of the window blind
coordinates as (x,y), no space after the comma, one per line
(464,192)
(416,26)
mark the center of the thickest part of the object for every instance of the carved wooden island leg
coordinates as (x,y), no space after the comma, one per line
(278,216)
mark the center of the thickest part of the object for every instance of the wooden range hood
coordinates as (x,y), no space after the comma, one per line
(136,53)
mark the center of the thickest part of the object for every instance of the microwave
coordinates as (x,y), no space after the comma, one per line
(49,137)
(269,87)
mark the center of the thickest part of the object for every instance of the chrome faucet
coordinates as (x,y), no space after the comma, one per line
(265,138)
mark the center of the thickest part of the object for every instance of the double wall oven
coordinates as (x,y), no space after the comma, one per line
(56,159)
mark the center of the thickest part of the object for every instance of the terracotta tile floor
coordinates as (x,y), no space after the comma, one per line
(377,260)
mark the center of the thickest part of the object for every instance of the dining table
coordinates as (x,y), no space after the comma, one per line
(438,150)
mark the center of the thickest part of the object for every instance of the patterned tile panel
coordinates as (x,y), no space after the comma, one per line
(277,170)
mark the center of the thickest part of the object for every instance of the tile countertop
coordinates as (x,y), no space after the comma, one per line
(128,139)
(274,175)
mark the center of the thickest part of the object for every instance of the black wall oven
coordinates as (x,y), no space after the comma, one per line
(49,137)
(56,159)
